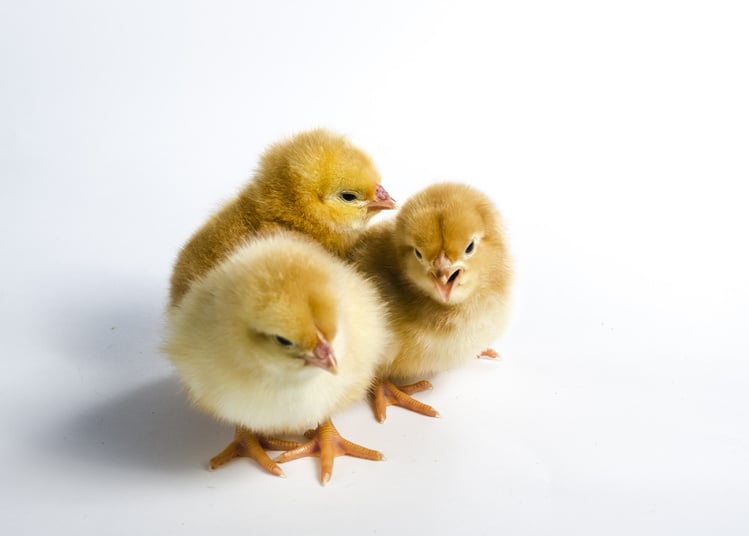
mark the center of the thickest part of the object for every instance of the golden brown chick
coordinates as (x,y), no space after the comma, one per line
(316,183)
(443,268)
(275,339)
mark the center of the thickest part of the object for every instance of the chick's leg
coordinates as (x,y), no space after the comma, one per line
(326,443)
(247,444)
(387,394)
(489,353)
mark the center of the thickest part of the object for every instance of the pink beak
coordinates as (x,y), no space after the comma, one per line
(322,356)
(443,276)
(382,200)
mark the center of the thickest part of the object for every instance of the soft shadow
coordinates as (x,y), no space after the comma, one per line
(130,411)
(116,326)
(152,428)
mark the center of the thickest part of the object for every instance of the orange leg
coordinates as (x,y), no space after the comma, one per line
(326,443)
(387,394)
(247,444)
(489,354)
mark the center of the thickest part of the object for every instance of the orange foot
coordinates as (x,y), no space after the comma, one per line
(326,443)
(247,444)
(489,354)
(386,394)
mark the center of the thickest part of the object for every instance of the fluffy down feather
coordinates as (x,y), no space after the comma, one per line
(443,268)
(246,337)
(316,183)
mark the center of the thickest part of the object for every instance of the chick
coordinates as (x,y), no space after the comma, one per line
(275,339)
(316,183)
(443,268)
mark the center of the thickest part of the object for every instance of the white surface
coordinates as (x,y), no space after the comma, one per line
(615,141)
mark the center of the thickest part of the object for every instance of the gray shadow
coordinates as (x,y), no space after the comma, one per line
(151,428)
(111,330)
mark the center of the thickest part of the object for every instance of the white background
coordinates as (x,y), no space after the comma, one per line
(614,137)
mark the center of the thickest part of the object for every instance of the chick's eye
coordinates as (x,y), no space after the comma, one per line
(417,253)
(282,341)
(348,196)
(470,247)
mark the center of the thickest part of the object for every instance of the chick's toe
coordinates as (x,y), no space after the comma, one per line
(489,353)
(327,443)
(387,394)
(246,444)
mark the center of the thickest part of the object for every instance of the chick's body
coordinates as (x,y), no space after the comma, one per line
(443,269)
(316,183)
(275,339)
(240,337)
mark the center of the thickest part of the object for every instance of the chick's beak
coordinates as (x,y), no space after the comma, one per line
(322,356)
(444,276)
(382,200)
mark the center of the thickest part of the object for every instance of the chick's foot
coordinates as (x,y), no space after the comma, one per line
(489,354)
(326,443)
(247,444)
(387,394)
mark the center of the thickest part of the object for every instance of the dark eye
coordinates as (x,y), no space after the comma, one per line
(348,196)
(470,247)
(282,341)
(417,253)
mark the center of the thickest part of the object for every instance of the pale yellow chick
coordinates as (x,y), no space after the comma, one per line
(316,183)
(275,339)
(443,268)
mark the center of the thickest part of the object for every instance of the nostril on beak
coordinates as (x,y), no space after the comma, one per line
(453,276)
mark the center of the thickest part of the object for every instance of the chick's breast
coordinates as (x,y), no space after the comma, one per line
(246,337)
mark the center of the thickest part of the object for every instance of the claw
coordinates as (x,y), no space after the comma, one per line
(489,354)
(326,443)
(247,444)
(387,394)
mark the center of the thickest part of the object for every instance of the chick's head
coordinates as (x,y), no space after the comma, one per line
(450,242)
(281,309)
(329,182)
